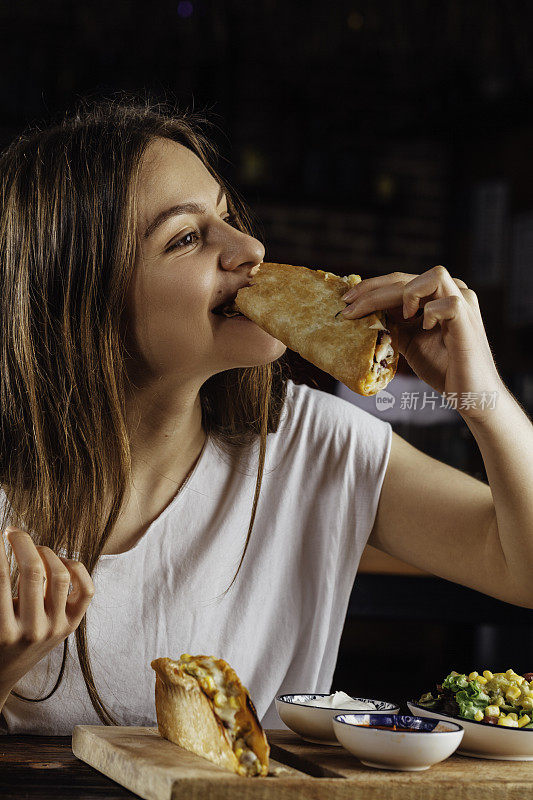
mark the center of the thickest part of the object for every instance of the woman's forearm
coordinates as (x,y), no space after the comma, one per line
(505,440)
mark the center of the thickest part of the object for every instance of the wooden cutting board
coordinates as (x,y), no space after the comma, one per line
(156,769)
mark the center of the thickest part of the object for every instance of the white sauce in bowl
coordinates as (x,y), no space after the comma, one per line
(339,700)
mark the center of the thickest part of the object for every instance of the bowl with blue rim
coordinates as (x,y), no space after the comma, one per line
(314,723)
(397,741)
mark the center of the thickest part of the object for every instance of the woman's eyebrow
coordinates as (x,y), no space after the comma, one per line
(181,208)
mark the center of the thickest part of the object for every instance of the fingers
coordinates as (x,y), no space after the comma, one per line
(437,281)
(39,607)
(400,289)
(82,591)
(472,299)
(389,295)
(57,582)
(383,280)
(450,309)
(7,613)
(376,283)
(31,591)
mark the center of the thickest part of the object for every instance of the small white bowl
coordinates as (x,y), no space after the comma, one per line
(422,743)
(316,724)
(487,741)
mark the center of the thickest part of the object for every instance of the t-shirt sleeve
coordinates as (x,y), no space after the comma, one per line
(339,458)
(364,444)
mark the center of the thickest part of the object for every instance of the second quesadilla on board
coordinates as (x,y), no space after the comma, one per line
(202,706)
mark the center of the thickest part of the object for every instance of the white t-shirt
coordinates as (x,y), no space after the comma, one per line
(280,625)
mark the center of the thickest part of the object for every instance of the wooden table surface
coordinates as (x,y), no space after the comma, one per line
(45,767)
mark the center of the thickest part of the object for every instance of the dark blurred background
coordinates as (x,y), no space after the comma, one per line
(368,136)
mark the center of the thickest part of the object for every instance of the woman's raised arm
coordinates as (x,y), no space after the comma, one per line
(430,514)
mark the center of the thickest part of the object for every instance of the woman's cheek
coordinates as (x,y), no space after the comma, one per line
(189,291)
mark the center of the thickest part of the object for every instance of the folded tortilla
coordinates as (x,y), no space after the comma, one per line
(301,307)
(201,705)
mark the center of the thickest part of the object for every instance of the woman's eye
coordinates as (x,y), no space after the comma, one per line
(190,238)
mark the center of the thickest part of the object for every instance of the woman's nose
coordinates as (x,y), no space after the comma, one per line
(243,250)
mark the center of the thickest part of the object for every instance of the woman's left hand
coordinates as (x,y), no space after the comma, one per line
(446,345)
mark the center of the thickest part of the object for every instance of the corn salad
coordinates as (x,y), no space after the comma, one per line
(495,698)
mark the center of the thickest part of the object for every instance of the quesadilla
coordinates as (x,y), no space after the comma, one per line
(201,705)
(301,307)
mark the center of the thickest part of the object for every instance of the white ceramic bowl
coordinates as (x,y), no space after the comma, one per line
(487,741)
(422,743)
(316,724)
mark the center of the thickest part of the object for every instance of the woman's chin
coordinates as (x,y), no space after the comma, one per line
(254,348)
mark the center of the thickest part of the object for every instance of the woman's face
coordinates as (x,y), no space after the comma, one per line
(190,260)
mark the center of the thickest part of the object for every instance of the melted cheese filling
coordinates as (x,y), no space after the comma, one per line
(384,349)
(384,352)
(225,705)
(351,280)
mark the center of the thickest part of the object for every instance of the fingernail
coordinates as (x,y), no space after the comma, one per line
(349,295)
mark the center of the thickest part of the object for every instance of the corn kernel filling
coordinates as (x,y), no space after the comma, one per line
(226,704)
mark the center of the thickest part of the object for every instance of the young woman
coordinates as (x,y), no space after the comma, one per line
(143,437)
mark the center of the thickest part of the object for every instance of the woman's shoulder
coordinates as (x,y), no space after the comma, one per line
(326,411)
(324,443)
(318,425)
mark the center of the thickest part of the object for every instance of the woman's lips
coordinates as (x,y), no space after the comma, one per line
(231,316)
(231,310)
(226,310)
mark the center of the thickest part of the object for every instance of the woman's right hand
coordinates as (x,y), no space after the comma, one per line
(41,616)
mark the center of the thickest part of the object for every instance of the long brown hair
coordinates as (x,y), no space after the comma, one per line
(67,250)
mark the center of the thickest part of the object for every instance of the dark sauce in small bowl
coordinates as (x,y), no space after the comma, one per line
(387,728)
